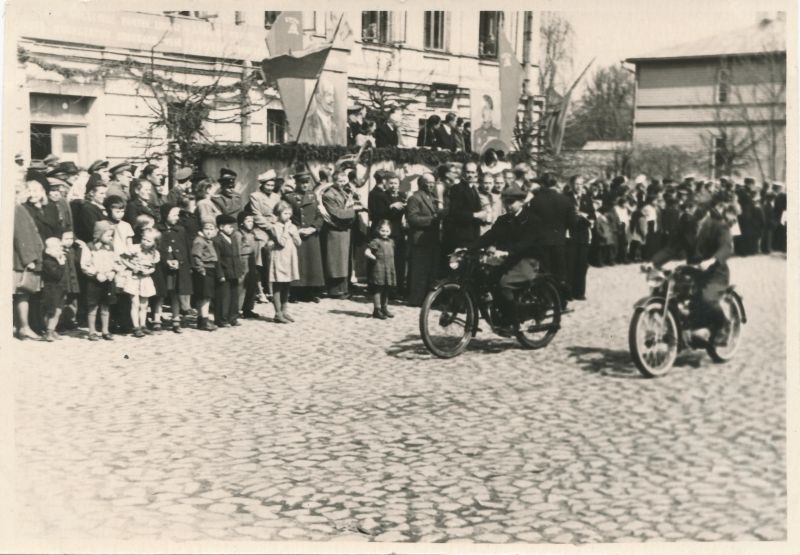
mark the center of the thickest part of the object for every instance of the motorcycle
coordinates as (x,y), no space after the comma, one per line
(660,327)
(454,306)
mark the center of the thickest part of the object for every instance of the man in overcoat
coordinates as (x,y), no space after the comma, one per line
(306,216)
(336,234)
(462,224)
(554,214)
(423,213)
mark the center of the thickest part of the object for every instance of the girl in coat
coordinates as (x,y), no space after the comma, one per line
(283,263)
(70,281)
(140,263)
(382,276)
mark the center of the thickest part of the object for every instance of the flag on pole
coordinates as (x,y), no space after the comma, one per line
(556,117)
(302,64)
(511,78)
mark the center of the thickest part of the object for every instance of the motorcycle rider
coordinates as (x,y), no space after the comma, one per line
(710,249)
(513,239)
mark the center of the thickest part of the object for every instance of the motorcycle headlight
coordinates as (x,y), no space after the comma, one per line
(455,261)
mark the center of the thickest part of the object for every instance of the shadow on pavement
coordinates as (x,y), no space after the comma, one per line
(607,362)
(412,347)
(354,313)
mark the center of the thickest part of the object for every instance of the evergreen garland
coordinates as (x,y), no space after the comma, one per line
(127,67)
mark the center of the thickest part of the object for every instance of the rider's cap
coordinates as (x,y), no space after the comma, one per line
(513,192)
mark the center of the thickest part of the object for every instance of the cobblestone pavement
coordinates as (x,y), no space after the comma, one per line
(343,427)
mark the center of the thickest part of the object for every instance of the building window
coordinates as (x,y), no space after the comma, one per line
(435,30)
(376,27)
(238,18)
(195,15)
(276,126)
(41,141)
(490,24)
(269,19)
(723,86)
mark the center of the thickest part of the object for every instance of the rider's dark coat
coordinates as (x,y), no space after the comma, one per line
(517,236)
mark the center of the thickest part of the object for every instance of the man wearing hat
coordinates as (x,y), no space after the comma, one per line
(183,184)
(100,167)
(355,120)
(514,237)
(308,219)
(121,176)
(228,200)
(62,177)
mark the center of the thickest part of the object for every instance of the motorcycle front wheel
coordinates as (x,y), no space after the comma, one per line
(540,315)
(723,351)
(653,340)
(446,320)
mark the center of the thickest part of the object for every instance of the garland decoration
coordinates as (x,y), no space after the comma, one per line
(128,67)
(303,152)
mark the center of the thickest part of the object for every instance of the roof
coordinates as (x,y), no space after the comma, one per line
(605,145)
(765,37)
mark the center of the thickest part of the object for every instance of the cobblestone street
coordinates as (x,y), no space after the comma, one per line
(342,427)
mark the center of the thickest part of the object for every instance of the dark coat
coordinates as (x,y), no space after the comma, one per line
(445,140)
(513,234)
(305,213)
(136,208)
(460,226)
(379,205)
(336,235)
(28,244)
(47,219)
(176,245)
(230,262)
(423,219)
(554,214)
(580,230)
(85,215)
(386,135)
(427,137)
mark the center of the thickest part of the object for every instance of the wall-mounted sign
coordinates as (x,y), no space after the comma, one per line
(441,95)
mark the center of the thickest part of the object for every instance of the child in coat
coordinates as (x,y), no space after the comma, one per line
(205,265)
(249,253)
(284,267)
(226,297)
(100,265)
(140,263)
(382,275)
(53,266)
(175,251)
(70,281)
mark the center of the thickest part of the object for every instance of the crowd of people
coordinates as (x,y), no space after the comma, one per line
(114,253)
(449,133)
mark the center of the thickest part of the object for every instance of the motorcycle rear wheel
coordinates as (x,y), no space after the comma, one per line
(538,332)
(446,320)
(733,329)
(653,349)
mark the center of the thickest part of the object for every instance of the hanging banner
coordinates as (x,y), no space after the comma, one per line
(326,122)
(486,123)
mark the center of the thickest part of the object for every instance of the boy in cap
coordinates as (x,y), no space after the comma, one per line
(226,297)
(205,265)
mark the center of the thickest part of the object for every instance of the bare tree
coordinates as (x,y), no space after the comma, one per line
(383,95)
(556,38)
(750,110)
